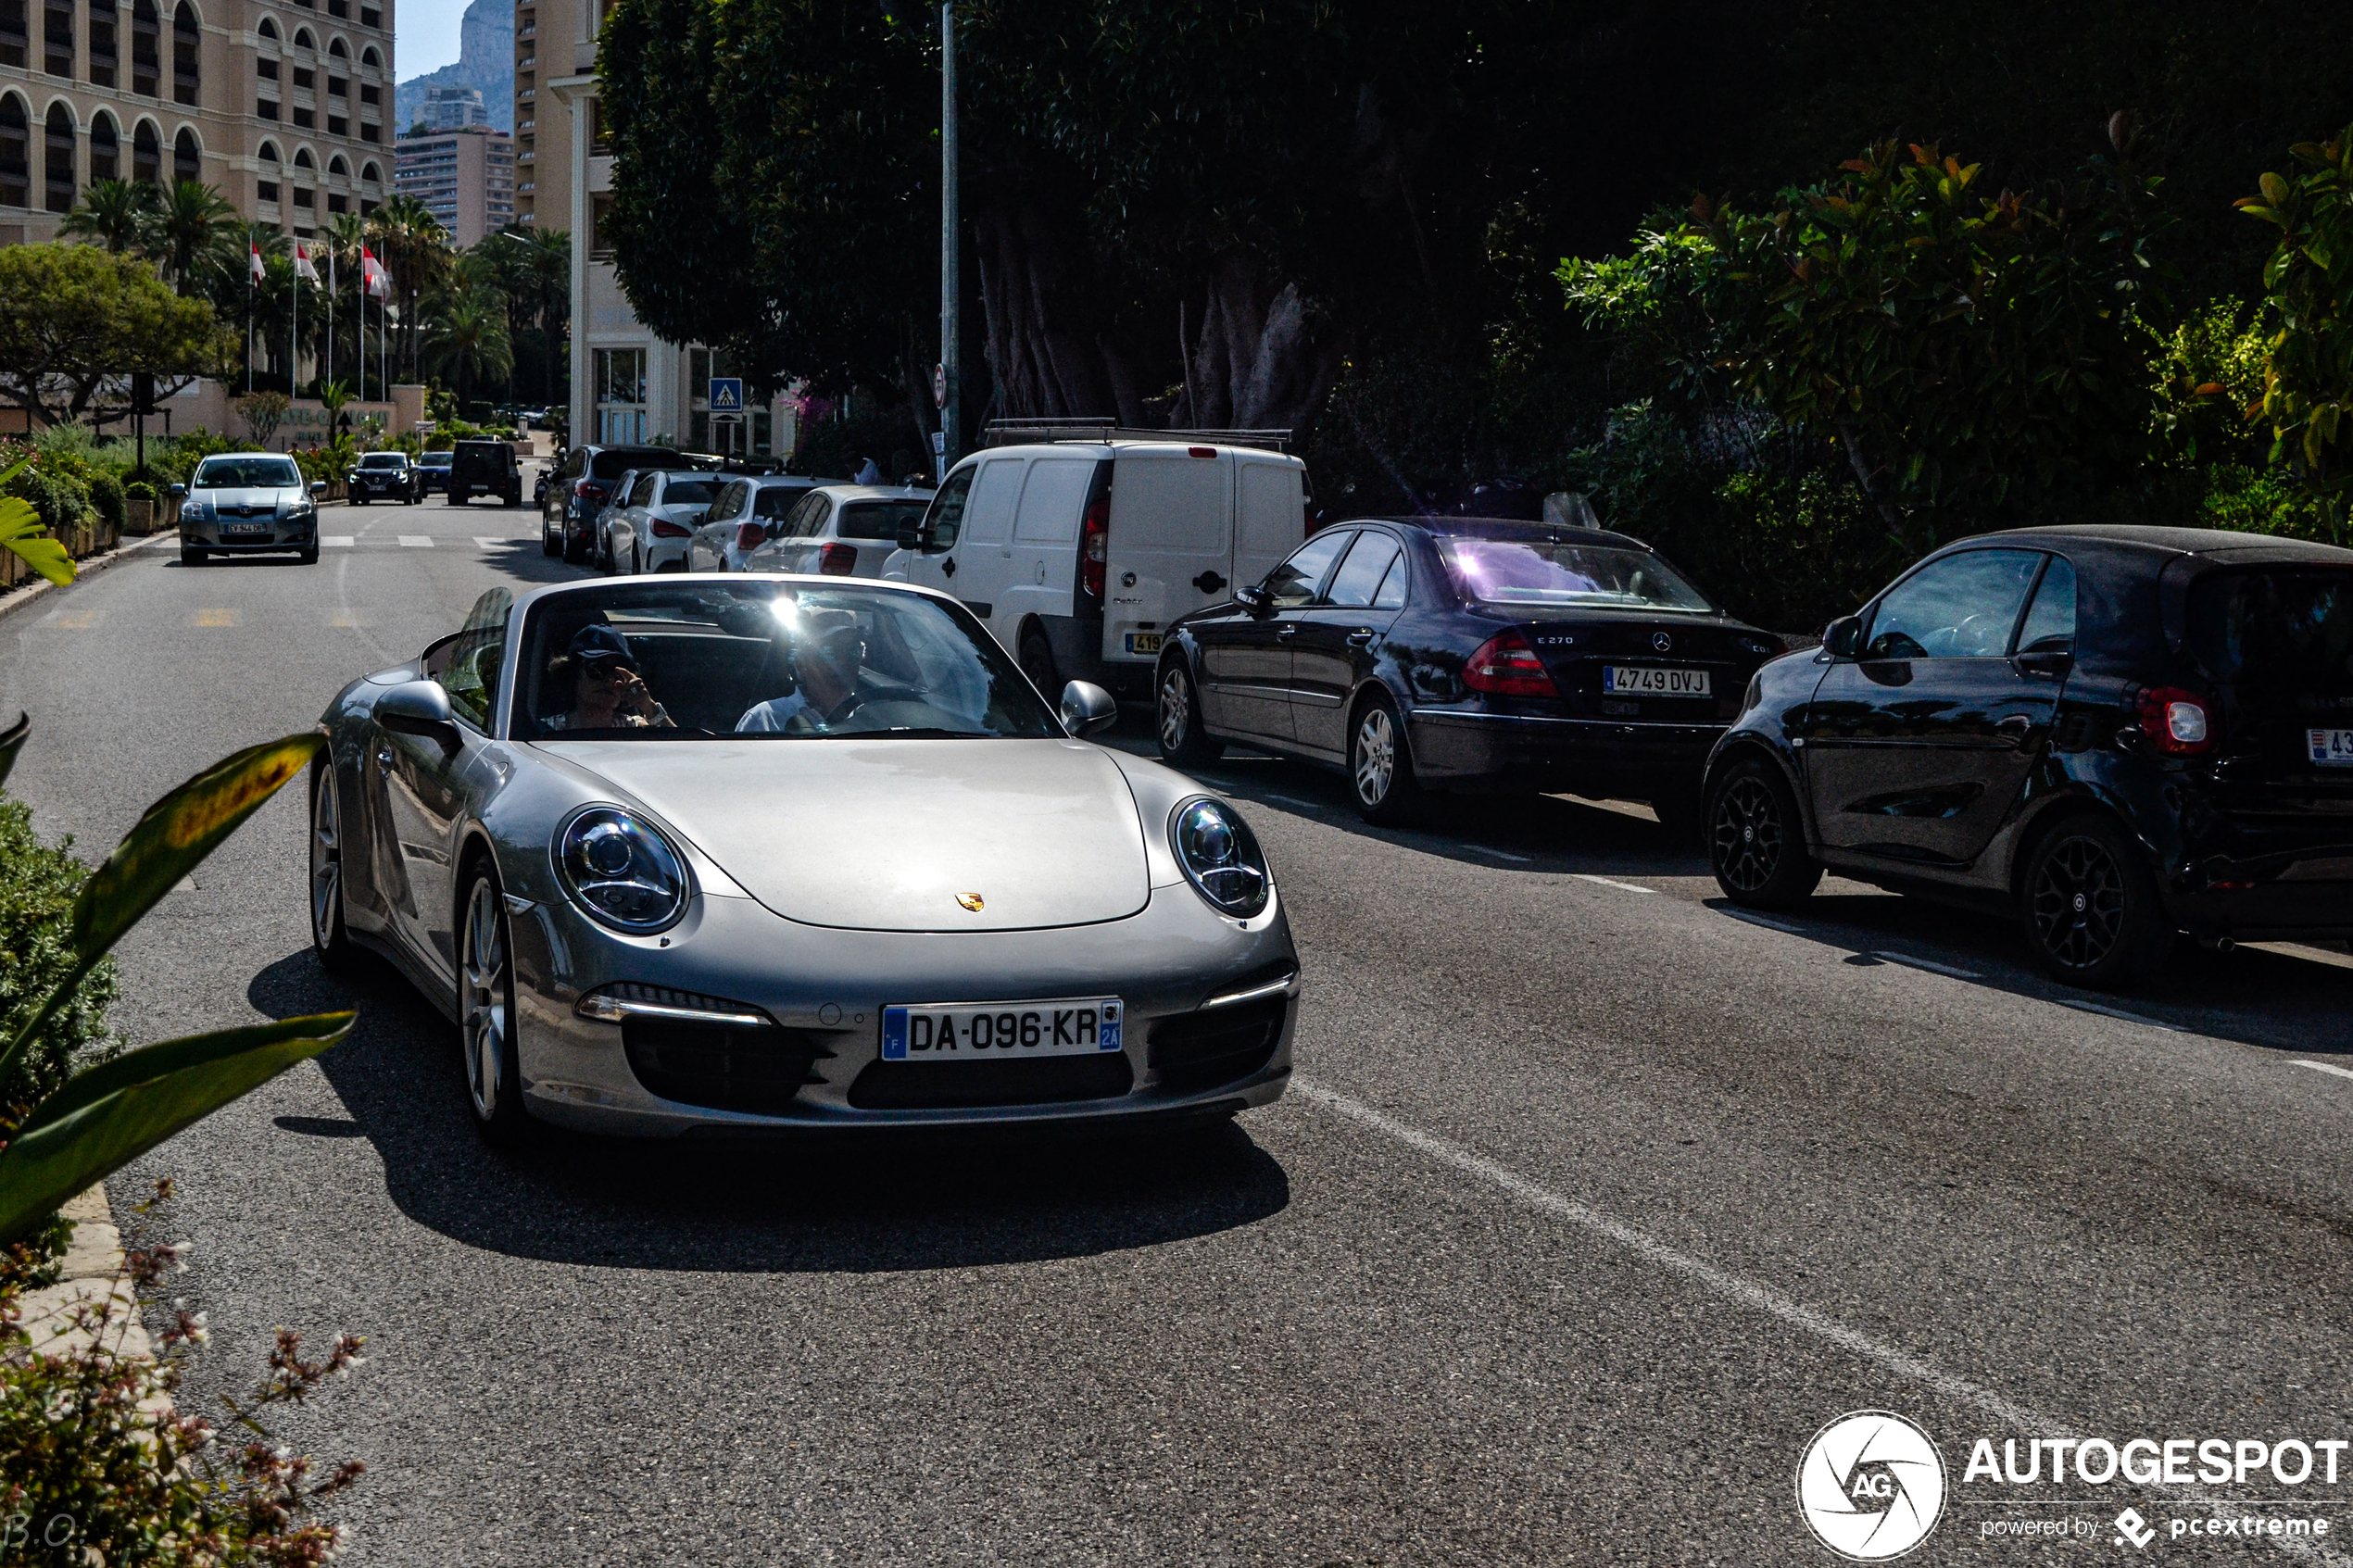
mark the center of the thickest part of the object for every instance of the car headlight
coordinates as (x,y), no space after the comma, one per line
(197,511)
(621,872)
(1220,856)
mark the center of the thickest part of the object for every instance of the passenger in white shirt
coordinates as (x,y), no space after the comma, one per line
(826,663)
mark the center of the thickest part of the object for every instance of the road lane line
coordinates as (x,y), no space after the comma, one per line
(416,541)
(335,541)
(2004,1411)
(1609,882)
(2324,1067)
(1908,961)
(214,618)
(1767,921)
(1503,854)
(2119,1012)
(1286,800)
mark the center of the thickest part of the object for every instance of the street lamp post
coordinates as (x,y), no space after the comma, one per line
(952,407)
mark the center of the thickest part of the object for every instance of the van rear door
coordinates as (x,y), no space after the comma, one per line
(1172,541)
(1270,514)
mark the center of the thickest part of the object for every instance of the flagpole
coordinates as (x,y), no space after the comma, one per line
(330,323)
(294,345)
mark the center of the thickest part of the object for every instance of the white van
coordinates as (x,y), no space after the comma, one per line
(1078,554)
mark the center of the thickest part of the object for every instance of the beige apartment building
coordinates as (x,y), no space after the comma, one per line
(627,384)
(279,104)
(465,178)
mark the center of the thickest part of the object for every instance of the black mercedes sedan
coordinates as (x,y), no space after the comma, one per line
(2115,735)
(1466,654)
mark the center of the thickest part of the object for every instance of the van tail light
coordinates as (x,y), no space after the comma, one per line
(837,560)
(1506,666)
(2176,722)
(1094,544)
(665,529)
(750,536)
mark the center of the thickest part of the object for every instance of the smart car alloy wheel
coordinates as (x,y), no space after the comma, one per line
(2092,907)
(1754,842)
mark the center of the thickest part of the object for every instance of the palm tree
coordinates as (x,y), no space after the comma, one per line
(550,271)
(117,214)
(194,231)
(468,338)
(342,238)
(411,243)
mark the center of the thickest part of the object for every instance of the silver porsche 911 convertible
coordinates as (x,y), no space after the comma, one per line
(753,852)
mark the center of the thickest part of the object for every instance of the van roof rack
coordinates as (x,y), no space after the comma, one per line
(1015,433)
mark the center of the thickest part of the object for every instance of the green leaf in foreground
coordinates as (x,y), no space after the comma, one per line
(21,531)
(114,1113)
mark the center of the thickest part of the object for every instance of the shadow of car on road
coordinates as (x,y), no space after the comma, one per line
(836,1204)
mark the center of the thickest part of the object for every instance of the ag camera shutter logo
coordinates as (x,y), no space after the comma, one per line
(1871,1486)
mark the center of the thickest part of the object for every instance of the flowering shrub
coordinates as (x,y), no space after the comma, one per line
(102,1467)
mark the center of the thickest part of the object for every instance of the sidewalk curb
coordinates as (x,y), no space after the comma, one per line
(93,1270)
(88,567)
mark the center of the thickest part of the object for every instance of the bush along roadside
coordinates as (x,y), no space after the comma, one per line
(96,1463)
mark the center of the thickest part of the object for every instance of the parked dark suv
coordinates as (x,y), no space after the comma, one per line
(2117,734)
(485,468)
(581,490)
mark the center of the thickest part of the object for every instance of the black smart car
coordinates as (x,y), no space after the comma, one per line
(2117,734)
(1466,654)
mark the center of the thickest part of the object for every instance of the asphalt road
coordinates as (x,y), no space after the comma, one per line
(1591,1203)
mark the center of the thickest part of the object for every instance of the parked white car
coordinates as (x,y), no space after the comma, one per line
(749,509)
(1078,554)
(656,520)
(841,531)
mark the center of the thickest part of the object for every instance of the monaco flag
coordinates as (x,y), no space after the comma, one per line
(372,272)
(255,271)
(303,268)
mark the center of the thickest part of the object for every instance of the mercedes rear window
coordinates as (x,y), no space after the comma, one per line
(2288,624)
(689,492)
(1551,571)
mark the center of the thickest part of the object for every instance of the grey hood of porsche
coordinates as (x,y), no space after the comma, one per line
(884,834)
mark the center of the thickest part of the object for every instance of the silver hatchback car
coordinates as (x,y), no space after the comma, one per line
(756,852)
(241,503)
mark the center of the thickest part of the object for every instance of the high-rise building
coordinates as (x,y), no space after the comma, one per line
(280,106)
(465,178)
(452,108)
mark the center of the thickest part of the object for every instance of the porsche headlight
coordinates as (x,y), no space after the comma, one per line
(622,872)
(1220,856)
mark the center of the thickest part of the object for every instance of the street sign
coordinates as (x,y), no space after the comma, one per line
(727,395)
(939,444)
(939,386)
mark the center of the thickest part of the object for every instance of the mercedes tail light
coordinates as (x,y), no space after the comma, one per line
(1506,666)
(1094,544)
(750,536)
(665,529)
(837,560)
(2176,722)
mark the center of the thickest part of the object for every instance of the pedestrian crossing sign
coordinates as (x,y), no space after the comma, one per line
(727,395)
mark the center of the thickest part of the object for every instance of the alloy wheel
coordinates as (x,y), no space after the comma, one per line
(483,995)
(1747,834)
(326,864)
(1376,756)
(1176,711)
(2077,903)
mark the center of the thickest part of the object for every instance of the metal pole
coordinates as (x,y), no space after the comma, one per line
(330,323)
(951,416)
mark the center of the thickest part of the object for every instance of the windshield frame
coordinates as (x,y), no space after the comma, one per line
(196,480)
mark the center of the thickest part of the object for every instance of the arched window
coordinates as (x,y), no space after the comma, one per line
(56,159)
(335,47)
(187,160)
(269,152)
(303,38)
(146,154)
(302,158)
(368,58)
(146,57)
(106,148)
(369,172)
(268,30)
(103,46)
(336,167)
(16,153)
(185,39)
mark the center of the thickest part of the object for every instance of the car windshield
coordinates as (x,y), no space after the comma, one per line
(381,460)
(247,473)
(879,519)
(689,492)
(2291,626)
(768,661)
(1555,571)
(435,459)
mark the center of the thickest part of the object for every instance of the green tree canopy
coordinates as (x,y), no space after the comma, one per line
(76,320)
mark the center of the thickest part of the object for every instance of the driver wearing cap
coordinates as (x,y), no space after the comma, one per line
(827,651)
(606,692)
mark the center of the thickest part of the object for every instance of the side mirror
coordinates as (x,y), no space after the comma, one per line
(181,490)
(420,708)
(1255,599)
(1088,708)
(317,488)
(1841,638)
(911,537)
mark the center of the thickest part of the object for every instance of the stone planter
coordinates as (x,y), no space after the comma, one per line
(138,517)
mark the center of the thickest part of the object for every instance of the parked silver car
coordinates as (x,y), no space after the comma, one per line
(768,852)
(650,522)
(749,506)
(840,530)
(242,503)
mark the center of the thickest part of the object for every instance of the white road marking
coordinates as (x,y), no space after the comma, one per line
(1764,1299)
(1610,881)
(2324,1067)
(1908,961)
(1286,800)
(335,541)
(1502,854)
(2119,1012)
(1767,921)
(416,541)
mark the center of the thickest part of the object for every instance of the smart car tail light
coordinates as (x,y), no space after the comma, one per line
(1094,544)
(1506,666)
(837,560)
(2176,722)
